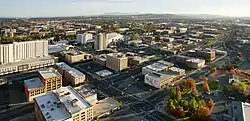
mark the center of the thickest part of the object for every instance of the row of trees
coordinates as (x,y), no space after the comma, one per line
(191,106)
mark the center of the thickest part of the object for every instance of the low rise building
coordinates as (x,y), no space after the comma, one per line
(178,71)
(190,62)
(117,61)
(47,81)
(156,67)
(87,93)
(70,75)
(33,88)
(73,56)
(160,80)
(207,54)
(100,59)
(63,104)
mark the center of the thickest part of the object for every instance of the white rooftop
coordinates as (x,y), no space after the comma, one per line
(159,66)
(74,72)
(195,60)
(175,69)
(49,73)
(33,83)
(51,108)
(104,73)
(71,99)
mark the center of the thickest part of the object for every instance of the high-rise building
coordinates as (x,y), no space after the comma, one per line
(47,81)
(10,53)
(100,42)
(23,56)
(117,61)
(83,38)
(63,104)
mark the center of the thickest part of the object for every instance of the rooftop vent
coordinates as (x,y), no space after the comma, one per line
(47,113)
(43,106)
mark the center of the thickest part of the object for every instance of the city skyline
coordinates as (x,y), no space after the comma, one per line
(59,8)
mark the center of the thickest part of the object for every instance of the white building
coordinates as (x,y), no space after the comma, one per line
(84,38)
(10,53)
(63,104)
(159,80)
(156,67)
(113,37)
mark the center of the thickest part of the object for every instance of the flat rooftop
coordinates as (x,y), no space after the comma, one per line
(176,69)
(29,61)
(85,91)
(71,99)
(51,108)
(75,73)
(159,66)
(104,73)
(117,55)
(49,73)
(63,66)
(195,60)
(104,106)
(33,83)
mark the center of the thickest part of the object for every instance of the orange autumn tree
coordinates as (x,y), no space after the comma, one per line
(210,104)
(191,82)
(206,87)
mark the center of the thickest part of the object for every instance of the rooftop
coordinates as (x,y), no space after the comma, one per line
(104,73)
(74,72)
(85,91)
(63,66)
(104,106)
(118,55)
(50,73)
(51,108)
(33,83)
(72,100)
(159,66)
(175,69)
(195,60)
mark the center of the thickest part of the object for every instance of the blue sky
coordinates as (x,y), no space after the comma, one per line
(44,8)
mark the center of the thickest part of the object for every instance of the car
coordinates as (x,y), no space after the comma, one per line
(231,98)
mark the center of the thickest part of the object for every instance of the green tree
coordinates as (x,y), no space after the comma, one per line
(193,105)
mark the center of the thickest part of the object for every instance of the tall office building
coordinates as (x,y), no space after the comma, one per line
(117,61)
(100,42)
(83,38)
(10,53)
